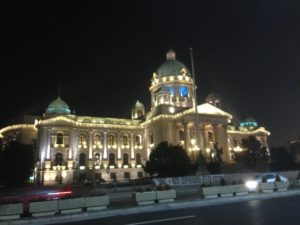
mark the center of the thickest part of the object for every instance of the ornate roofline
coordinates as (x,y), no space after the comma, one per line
(252,132)
(16,127)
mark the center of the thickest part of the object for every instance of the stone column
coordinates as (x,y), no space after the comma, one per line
(74,138)
(90,145)
(203,140)
(221,138)
(132,145)
(187,137)
(42,145)
(119,144)
(105,145)
(48,154)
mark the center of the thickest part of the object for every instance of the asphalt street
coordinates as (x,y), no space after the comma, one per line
(273,211)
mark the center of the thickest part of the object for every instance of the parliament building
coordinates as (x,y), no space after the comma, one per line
(72,148)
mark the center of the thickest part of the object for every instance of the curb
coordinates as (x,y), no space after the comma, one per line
(150,208)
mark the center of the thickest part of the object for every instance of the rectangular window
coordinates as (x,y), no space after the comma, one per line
(126,175)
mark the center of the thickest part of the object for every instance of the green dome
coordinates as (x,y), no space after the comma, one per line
(138,104)
(249,122)
(58,106)
(213,95)
(172,66)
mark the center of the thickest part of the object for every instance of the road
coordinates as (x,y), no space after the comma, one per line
(276,211)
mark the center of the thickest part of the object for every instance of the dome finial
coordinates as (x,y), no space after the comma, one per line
(171,55)
(59,89)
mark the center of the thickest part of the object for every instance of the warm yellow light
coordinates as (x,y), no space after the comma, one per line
(64,174)
(237,149)
(171,109)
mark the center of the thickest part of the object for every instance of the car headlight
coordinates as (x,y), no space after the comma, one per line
(251,184)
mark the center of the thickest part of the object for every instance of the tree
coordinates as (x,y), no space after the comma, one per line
(168,161)
(16,164)
(281,159)
(253,153)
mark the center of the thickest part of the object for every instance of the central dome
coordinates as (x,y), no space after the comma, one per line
(58,106)
(172,67)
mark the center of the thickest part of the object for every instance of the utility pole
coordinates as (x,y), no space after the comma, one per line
(197,122)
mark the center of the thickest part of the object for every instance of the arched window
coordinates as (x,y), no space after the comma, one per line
(125,159)
(82,141)
(125,140)
(137,141)
(97,141)
(151,139)
(112,159)
(235,143)
(138,159)
(210,137)
(181,135)
(111,140)
(82,159)
(58,159)
(59,138)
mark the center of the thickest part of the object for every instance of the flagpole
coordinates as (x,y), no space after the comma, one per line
(197,121)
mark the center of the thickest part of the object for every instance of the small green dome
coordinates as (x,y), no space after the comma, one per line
(249,122)
(172,66)
(213,95)
(138,104)
(58,106)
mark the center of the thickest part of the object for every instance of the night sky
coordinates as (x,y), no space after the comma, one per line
(104,55)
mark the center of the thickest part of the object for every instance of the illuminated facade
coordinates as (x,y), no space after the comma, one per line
(75,148)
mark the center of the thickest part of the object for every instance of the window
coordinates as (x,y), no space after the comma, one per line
(111,140)
(125,140)
(126,175)
(183,91)
(58,159)
(112,159)
(138,159)
(151,138)
(137,141)
(59,138)
(82,159)
(181,135)
(82,141)
(172,91)
(97,141)
(235,143)
(210,137)
(140,174)
(113,176)
(125,159)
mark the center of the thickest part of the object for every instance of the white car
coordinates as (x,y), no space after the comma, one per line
(252,184)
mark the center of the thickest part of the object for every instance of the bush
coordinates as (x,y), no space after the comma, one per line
(214,167)
(222,182)
(163,187)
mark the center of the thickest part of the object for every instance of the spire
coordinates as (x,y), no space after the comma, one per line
(171,55)
(59,89)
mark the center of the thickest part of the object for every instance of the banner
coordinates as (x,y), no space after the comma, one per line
(189,180)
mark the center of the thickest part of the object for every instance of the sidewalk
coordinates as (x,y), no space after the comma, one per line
(121,205)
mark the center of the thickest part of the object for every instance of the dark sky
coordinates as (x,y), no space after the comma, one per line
(104,55)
